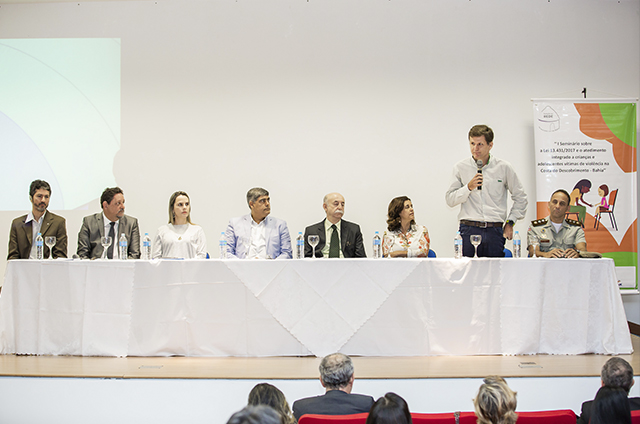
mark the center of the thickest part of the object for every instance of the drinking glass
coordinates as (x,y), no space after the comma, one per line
(50,241)
(105,241)
(476,239)
(313,242)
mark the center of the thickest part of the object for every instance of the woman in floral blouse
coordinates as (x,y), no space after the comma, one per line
(404,238)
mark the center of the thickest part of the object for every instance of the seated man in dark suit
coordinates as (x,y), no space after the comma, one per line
(110,222)
(338,238)
(336,375)
(616,372)
(25,229)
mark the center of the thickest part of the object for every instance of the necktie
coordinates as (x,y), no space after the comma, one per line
(334,248)
(112,234)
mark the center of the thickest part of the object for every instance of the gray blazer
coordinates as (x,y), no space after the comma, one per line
(89,246)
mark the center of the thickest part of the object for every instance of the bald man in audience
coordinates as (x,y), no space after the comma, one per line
(336,375)
(338,238)
(616,372)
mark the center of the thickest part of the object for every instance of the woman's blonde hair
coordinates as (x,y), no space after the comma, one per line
(495,402)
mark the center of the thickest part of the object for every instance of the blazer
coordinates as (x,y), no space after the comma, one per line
(334,402)
(21,234)
(277,237)
(350,240)
(89,246)
(585,413)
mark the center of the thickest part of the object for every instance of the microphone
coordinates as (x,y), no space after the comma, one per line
(479,164)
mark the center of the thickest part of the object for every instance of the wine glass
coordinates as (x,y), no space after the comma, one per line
(476,239)
(50,241)
(105,241)
(313,242)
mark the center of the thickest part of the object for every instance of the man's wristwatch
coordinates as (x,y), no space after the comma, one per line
(510,222)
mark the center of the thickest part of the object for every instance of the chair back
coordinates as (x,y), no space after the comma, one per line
(334,419)
(560,416)
(635,417)
(612,198)
(444,418)
(507,253)
(431,254)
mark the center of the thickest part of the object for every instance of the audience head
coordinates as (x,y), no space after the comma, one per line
(611,406)
(179,202)
(259,203)
(617,372)
(400,209)
(495,402)
(336,372)
(333,205)
(39,194)
(389,409)
(266,394)
(112,201)
(256,414)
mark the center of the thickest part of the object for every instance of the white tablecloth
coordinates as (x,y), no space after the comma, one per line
(312,307)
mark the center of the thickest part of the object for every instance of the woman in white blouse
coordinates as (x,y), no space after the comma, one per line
(404,238)
(180,238)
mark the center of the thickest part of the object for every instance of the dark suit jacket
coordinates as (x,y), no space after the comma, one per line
(21,234)
(585,413)
(350,240)
(334,402)
(89,245)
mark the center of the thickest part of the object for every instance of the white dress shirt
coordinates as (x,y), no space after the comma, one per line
(258,244)
(180,241)
(490,203)
(35,229)
(116,239)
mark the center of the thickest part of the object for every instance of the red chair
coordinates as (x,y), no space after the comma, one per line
(334,419)
(635,417)
(445,418)
(561,416)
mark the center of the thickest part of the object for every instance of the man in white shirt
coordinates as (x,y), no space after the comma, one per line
(258,235)
(110,222)
(480,185)
(25,229)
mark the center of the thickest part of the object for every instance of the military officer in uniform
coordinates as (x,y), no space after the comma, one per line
(555,236)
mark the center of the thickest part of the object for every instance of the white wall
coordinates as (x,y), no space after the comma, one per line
(370,98)
(75,400)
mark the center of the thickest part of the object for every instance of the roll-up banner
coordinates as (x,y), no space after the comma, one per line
(588,148)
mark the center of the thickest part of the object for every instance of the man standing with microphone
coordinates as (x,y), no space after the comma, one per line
(480,185)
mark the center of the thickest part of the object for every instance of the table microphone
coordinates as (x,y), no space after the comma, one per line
(479,164)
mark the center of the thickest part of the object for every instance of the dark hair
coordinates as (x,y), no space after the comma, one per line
(393,215)
(255,193)
(563,191)
(172,203)
(389,409)
(582,183)
(267,394)
(37,185)
(604,188)
(611,406)
(617,372)
(256,414)
(109,193)
(481,130)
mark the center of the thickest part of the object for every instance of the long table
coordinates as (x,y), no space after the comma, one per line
(384,307)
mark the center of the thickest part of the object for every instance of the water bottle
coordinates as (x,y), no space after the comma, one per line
(39,247)
(146,247)
(517,246)
(122,244)
(457,246)
(377,248)
(300,246)
(223,246)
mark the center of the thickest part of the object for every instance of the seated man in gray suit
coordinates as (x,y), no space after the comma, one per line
(338,238)
(111,222)
(336,375)
(616,372)
(258,235)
